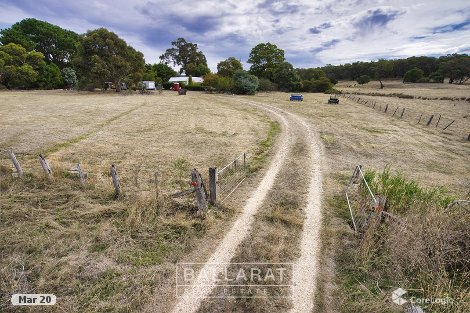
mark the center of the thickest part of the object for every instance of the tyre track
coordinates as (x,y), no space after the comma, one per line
(305,268)
(193,296)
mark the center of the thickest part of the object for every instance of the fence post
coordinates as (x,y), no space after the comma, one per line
(438,120)
(430,120)
(213,185)
(395,111)
(468,137)
(200,195)
(420,118)
(386,108)
(117,185)
(45,167)
(17,165)
(402,112)
(81,175)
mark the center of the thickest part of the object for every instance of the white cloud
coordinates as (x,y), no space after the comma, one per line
(360,30)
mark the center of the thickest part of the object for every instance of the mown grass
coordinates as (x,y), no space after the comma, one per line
(427,253)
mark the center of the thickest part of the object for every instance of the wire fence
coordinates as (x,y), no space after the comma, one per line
(231,176)
(438,121)
(365,208)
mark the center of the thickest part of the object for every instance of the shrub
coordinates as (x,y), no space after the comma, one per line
(195,87)
(266,85)
(50,77)
(423,80)
(70,77)
(244,83)
(364,79)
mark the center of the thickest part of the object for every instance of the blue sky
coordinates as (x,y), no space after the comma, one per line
(312,33)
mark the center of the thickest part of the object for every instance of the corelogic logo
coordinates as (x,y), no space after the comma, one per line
(397,296)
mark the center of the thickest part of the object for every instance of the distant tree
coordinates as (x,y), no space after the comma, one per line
(228,67)
(56,44)
(436,77)
(210,80)
(244,83)
(218,82)
(264,58)
(316,85)
(286,77)
(184,53)
(457,68)
(198,70)
(363,79)
(413,75)
(70,77)
(103,56)
(266,85)
(164,71)
(19,68)
(150,73)
(382,69)
(49,77)
(310,73)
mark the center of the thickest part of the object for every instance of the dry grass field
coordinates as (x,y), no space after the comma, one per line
(97,253)
(92,251)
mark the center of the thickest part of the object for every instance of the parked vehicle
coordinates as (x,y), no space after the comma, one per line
(296,97)
(333,100)
(149,84)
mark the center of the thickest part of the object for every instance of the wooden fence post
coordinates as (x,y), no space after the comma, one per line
(200,195)
(430,120)
(420,118)
(438,120)
(402,112)
(117,185)
(213,185)
(395,111)
(81,175)
(17,165)
(386,108)
(45,167)
(468,137)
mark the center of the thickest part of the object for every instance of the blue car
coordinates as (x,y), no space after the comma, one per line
(296,98)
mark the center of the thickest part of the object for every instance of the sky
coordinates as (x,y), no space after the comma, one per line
(312,33)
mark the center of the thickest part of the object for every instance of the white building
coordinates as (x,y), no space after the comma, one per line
(185,79)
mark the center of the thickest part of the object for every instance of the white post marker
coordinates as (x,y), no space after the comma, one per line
(33,299)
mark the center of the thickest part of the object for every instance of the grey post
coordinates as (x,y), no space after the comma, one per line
(81,175)
(45,167)
(200,195)
(17,165)
(117,185)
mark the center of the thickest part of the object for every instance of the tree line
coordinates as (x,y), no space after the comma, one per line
(37,54)
(421,69)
